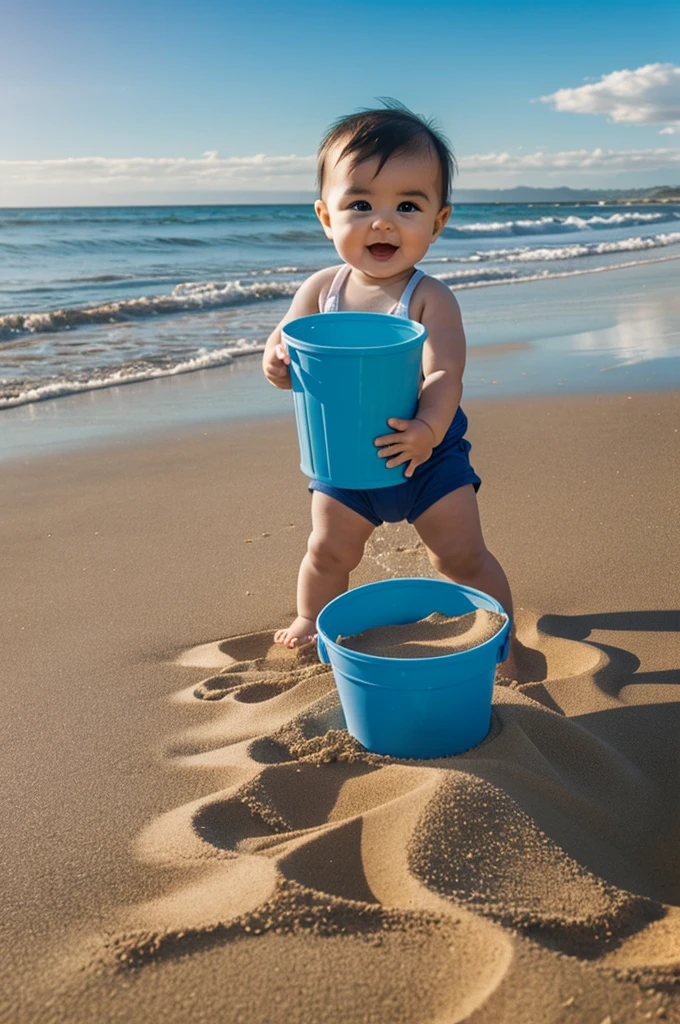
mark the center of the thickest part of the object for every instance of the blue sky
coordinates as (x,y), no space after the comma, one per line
(138,83)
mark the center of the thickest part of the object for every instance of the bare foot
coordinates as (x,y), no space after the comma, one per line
(300,633)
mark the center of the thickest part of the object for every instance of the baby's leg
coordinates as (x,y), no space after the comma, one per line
(452,534)
(335,547)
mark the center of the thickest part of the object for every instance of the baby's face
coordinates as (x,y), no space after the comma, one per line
(384,224)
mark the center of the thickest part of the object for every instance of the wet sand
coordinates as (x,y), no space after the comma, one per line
(190,834)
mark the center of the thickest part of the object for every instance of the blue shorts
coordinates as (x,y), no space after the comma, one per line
(447,469)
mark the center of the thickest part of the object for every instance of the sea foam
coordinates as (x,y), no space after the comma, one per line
(190,295)
(555,225)
(563,252)
(460,279)
(203,360)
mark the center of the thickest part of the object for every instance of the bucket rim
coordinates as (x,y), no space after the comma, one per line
(312,347)
(498,637)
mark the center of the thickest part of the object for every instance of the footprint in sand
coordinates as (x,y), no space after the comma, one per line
(555,830)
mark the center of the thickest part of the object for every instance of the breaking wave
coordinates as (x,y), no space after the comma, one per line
(497,275)
(556,225)
(203,360)
(564,252)
(191,295)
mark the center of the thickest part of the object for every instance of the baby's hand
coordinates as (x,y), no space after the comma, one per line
(275,365)
(412,442)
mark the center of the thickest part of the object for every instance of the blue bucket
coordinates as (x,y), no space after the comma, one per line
(411,707)
(351,372)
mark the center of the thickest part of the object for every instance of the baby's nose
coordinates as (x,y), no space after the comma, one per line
(382,222)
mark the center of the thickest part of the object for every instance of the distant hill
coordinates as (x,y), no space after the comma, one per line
(526,194)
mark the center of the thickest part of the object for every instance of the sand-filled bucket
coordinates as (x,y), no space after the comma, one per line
(412,707)
(351,372)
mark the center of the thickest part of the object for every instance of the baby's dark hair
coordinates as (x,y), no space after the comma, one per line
(382,133)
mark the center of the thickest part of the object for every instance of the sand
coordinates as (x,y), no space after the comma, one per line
(431,637)
(191,835)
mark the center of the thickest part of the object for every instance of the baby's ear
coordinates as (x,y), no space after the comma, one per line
(324,216)
(440,221)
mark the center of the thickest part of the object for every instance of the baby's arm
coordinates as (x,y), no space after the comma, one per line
(443,360)
(305,302)
(442,388)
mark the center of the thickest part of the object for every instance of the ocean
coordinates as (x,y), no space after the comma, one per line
(91,297)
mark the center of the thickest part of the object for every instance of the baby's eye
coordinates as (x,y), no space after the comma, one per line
(411,206)
(361,205)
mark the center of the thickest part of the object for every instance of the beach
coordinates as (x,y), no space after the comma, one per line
(188,835)
(190,832)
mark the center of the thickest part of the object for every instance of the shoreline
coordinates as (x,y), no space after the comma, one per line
(579,334)
(247,416)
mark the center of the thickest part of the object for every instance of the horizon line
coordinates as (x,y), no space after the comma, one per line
(622,193)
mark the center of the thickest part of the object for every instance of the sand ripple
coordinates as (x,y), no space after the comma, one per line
(553,838)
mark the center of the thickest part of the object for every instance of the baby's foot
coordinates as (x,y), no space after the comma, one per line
(300,633)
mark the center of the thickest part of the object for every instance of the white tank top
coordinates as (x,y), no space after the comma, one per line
(332,303)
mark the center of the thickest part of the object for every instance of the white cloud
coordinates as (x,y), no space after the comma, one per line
(647,95)
(178,179)
(602,160)
(208,171)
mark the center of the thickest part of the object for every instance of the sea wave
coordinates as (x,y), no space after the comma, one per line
(461,279)
(204,295)
(99,243)
(564,252)
(556,225)
(190,295)
(204,359)
(269,271)
(102,243)
(74,217)
(22,392)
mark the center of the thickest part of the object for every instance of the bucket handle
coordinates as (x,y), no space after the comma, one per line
(321,649)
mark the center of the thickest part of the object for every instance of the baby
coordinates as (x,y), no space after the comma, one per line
(384,179)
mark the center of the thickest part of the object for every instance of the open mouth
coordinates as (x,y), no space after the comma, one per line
(382,250)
